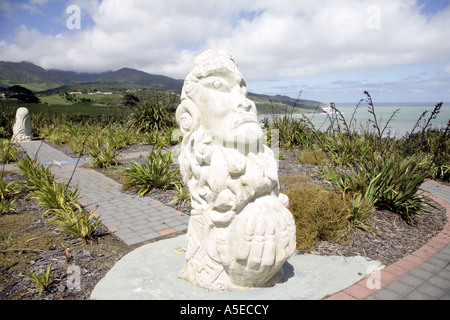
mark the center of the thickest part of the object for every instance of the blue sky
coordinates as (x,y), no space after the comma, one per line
(432,7)
(46,16)
(330,50)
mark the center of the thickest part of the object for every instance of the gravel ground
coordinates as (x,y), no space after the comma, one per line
(28,242)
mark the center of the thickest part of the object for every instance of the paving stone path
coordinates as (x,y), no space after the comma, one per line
(134,219)
(428,269)
(422,275)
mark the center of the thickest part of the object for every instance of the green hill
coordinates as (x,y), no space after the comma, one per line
(50,82)
(35,77)
(284,105)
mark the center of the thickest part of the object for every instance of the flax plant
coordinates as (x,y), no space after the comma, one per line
(42,280)
(8,196)
(103,155)
(60,202)
(157,172)
(55,196)
(36,175)
(7,152)
(76,221)
(182,195)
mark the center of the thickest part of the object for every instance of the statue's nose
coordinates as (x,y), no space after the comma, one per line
(246,105)
(243,103)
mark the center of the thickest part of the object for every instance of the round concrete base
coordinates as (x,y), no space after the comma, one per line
(151,273)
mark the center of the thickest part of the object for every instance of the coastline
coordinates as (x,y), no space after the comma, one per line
(402,117)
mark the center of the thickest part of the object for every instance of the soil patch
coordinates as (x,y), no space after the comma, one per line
(29,243)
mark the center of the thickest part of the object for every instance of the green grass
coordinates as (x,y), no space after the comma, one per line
(101,97)
(69,109)
(96,99)
(79,108)
(34,86)
(54,100)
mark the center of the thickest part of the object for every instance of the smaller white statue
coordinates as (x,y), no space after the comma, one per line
(22,127)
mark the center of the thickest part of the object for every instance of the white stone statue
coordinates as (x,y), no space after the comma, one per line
(240,231)
(22,127)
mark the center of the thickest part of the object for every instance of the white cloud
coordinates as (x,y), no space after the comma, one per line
(333,36)
(446,69)
(269,39)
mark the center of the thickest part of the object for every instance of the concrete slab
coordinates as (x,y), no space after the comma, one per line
(150,273)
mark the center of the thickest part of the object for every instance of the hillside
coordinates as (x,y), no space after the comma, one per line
(32,77)
(26,72)
(50,82)
(283,104)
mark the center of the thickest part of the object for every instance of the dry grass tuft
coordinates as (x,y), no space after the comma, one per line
(313,156)
(319,214)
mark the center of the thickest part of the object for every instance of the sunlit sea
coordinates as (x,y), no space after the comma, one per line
(402,122)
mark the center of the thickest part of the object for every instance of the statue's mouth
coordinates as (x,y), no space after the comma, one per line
(244,119)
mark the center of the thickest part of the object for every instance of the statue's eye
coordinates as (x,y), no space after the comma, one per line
(217,84)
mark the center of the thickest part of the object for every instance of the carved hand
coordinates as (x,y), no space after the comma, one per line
(262,237)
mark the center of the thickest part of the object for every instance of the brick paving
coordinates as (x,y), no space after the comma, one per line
(134,219)
(422,275)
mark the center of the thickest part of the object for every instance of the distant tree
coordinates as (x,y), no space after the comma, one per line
(131,100)
(70,97)
(22,94)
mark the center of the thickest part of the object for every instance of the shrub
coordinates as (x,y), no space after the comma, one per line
(54,133)
(156,173)
(393,183)
(36,174)
(7,116)
(65,212)
(182,195)
(314,156)
(77,144)
(55,196)
(59,201)
(344,149)
(292,132)
(159,138)
(7,151)
(319,214)
(397,187)
(7,205)
(154,112)
(75,221)
(103,155)
(4,133)
(361,209)
(8,195)
(119,136)
(339,149)
(437,157)
(42,280)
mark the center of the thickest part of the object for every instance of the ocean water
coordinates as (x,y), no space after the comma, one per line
(401,123)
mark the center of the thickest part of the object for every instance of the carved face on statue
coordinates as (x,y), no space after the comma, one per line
(220,93)
(240,230)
